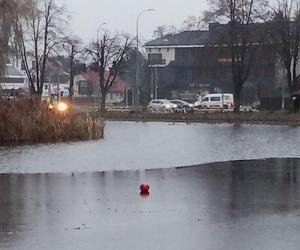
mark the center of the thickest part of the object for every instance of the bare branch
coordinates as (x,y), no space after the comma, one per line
(108,55)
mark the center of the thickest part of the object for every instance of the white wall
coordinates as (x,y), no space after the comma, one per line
(168,54)
(114,97)
(77,79)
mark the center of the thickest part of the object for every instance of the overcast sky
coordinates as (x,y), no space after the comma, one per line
(120,15)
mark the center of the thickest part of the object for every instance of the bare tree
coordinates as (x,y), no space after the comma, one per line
(163,30)
(193,23)
(12,12)
(190,24)
(71,46)
(241,36)
(285,31)
(42,34)
(108,55)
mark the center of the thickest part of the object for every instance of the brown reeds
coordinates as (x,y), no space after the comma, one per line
(29,122)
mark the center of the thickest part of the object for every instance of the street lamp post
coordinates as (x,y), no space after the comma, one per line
(99,27)
(136,93)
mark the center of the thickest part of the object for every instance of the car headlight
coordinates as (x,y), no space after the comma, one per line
(174,106)
(168,106)
(191,105)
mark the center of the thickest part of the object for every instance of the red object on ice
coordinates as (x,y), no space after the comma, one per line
(144,188)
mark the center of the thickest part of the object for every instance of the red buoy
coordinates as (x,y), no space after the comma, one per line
(144,188)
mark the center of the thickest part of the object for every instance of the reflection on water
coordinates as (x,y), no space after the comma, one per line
(131,145)
(233,205)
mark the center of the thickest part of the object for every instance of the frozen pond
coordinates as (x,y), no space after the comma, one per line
(137,145)
(84,195)
(233,205)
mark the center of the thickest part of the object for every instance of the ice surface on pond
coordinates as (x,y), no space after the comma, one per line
(138,145)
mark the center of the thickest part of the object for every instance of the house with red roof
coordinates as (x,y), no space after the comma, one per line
(87,85)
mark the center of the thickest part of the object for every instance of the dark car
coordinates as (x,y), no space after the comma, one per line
(183,106)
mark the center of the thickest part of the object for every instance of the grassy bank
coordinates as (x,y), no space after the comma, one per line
(228,117)
(26,122)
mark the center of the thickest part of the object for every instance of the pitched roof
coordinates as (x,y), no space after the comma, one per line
(55,66)
(93,77)
(213,36)
(11,71)
(200,37)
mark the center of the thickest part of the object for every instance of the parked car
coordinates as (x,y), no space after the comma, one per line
(217,101)
(183,106)
(255,105)
(161,105)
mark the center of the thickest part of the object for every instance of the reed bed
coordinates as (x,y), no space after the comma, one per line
(29,122)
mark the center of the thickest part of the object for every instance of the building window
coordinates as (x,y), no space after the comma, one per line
(215,99)
(168,50)
(83,88)
(155,58)
(159,50)
(224,60)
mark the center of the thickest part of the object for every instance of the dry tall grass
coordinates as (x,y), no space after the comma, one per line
(28,122)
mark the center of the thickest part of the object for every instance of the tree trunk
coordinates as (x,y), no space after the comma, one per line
(40,91)
(237,104)
(103,101)
(71,87)
(71,93)
(289,81)
(36,98)
(237,99)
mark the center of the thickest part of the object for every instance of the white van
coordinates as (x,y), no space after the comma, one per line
(218,101)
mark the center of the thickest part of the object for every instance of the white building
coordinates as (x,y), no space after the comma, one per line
(13,78)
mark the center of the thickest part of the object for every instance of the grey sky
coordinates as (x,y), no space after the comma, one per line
(120,15)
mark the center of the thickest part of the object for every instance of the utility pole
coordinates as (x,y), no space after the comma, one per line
(136,87)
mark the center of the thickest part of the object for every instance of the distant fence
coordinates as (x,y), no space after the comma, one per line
(94,101)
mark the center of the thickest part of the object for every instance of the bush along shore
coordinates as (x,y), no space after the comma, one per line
(280,118)
(29,122)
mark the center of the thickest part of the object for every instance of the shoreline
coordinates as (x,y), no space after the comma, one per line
(210,118)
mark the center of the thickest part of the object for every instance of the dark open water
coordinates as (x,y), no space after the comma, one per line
(230,205)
